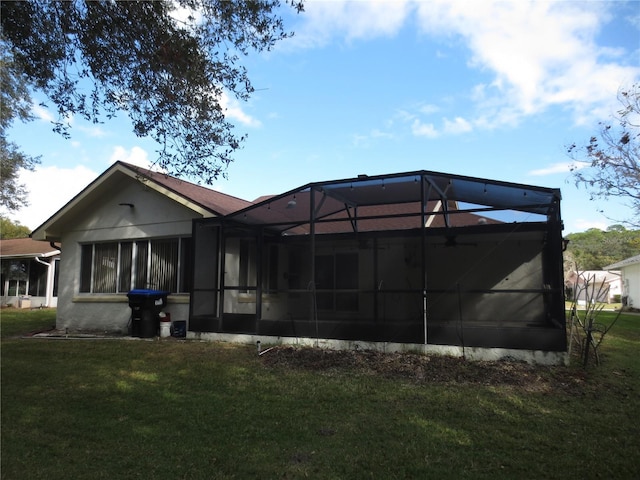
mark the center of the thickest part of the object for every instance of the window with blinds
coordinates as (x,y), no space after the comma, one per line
(118,267)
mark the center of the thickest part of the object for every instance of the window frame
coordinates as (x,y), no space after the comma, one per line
(143,260)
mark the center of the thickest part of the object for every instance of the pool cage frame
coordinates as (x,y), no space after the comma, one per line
(414,258)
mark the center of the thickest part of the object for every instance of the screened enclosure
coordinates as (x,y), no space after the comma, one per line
(419,258)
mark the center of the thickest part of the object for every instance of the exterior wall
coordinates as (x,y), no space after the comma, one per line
(631,285)
(153,216)
(602,286)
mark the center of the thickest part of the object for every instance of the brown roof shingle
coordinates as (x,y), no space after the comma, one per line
(216,202)
(16,247)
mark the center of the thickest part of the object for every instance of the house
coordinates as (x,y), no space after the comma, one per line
(420,261)
(29,273)
(630,269)
(594,285)
(129,229)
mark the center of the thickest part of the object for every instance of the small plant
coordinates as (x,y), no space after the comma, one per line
(584,328)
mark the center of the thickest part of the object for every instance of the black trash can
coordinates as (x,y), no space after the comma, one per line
(145,307)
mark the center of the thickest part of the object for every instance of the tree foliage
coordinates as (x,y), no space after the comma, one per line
(10,229)
(609,164)
(595,249)
(166,63)
(15,103)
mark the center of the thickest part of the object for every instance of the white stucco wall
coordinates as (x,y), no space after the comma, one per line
(153,216)
(631,284)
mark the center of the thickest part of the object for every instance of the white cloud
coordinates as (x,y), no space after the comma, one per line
(428,109)
(561,167)
(50,188)
(365,140)
(185,15)
(323,21)
(420,129)
(580,225)
(136,156)
(93,131)
(539,53)
(231,108)
(457,126)
(41,113)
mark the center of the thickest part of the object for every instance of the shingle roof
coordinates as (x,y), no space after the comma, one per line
(26,247)
(403,216)
(593,276)
(624,263)
(216,202)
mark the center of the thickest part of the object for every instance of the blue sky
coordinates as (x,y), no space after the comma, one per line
(488,89)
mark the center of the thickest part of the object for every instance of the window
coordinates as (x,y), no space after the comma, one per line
(337,282)
(15,273)
(117,267)
(38,279)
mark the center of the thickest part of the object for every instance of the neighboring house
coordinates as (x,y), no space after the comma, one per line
(392,262)
(594,285)
(130,228)
(29,273)
(630,269)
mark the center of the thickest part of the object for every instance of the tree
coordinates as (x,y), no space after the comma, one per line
(583,323)
(167,64)
(9,229)
(15,103)
(595,249)
(609,164)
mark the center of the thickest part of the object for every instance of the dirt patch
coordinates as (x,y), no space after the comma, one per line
(430,369)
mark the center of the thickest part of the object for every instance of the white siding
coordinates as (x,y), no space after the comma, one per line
(631,284)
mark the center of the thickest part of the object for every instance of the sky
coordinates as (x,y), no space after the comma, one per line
(495,90)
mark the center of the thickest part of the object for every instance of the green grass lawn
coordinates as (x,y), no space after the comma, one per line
(172,409)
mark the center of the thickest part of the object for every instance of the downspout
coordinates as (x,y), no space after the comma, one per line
(49,286)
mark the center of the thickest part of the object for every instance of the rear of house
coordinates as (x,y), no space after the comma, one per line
(414,261)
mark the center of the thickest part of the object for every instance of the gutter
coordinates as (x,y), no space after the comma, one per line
(48,295)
